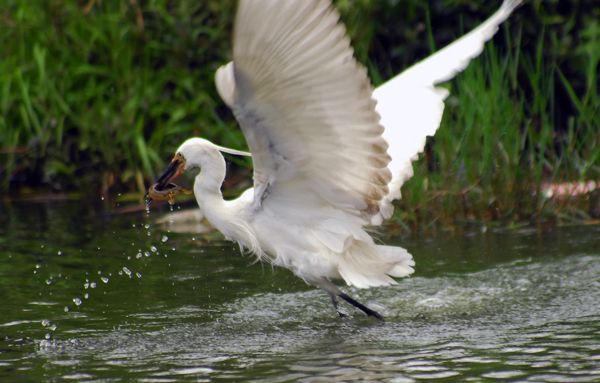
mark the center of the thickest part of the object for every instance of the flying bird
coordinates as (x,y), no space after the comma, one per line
(329,152)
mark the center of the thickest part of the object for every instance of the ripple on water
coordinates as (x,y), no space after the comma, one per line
(435,375)
(516,321)
(507,374)
(77,377)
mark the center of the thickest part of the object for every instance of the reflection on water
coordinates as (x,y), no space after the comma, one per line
(92,297)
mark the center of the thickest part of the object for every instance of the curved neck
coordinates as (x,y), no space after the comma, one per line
(229,217)
(226,216)
(207,187)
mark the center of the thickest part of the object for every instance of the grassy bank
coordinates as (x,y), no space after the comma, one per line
(499,152)
(95,96)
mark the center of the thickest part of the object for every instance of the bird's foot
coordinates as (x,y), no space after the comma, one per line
(365,309)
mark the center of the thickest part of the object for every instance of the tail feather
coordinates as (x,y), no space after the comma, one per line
(404,260)
(366,266)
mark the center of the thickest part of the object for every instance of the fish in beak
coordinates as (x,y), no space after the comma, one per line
(163,189)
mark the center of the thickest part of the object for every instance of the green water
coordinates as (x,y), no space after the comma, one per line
(90,296)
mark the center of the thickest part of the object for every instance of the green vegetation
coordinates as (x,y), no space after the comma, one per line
(497,152)
(95,96)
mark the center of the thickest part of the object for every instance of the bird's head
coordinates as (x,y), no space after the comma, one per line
(194,153)
(188,156)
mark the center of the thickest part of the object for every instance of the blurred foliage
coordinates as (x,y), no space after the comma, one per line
(96,95)
(523,116)
(99,92)
(492,162)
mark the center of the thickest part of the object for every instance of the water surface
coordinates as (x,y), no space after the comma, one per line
(92,296)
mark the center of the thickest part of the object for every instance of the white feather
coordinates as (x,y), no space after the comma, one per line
(411,107)
(321,158)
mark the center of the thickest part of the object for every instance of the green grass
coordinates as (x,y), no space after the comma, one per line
(498,147)
(99,97)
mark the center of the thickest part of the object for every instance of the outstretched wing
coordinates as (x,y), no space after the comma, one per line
(305,106)
(411,106)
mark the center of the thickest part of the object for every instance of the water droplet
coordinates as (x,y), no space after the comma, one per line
(46,322)
(104,279)
(48,336)
(134,225)
(48,281)
(38,266)
(165,238)
(59,252)
(139,255)
(66,309)
(42,246)
(147,253)
(119,194)
(53,327)
(77,301)
(45,344)
(154,249)
(86,296)
(127,271)
(149,234)
(147,226)
(193,239)
(93,285)
(138,275)
(99,272)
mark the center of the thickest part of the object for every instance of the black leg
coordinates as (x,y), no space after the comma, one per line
(336,305)
(365,309)
(335,292)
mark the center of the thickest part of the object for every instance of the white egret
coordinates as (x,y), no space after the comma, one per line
(323,170)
